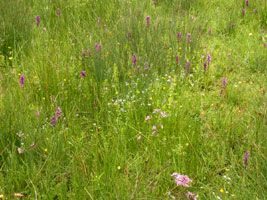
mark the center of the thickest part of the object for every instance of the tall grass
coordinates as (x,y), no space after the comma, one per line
(102,146)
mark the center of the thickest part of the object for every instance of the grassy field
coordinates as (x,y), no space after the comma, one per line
(107,99)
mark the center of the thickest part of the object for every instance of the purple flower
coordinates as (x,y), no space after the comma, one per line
(188,37)
(22,80)
(187,65)
(98,47)
(89,52)
(191,195)
(147,20)
(202,56)
(134,59)
(205,66)
(255,10)
(58,112)
(245,160)
(265,44)
(181,179)
(247,3)
(139,138)
(154,127)
(244,11)
(99,20)
(37,20)
(179,35)
(58,13)
(208,58)
(177,60)
(82,74)
(53,121)
(153,1)
(224,82)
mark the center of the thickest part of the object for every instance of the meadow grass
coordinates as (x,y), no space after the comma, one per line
(82,119)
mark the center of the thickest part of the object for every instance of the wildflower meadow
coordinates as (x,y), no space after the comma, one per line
(133,99)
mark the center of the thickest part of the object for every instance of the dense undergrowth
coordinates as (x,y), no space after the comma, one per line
(106,99)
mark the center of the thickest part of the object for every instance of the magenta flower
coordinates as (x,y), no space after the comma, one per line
(22,80)
(99,20)
(153,1)
(134,59)
(255,11)
(191,195)
(244,11)
(188,37)
(82,74)
(224,82)
(247,3)
(208,58)
(265,44)
(53,121)
(147,20)
(245,160)
(202,57)
(181,179)
(98,47)
(177,60)
(205,66)
(179,35)
(58,13)
(37,20)
(89,52)
(58,112)
(154,127)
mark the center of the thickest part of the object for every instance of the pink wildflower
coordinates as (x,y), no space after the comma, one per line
(148,118)
(191,195)
(155,111)
(181,179)
(163,114)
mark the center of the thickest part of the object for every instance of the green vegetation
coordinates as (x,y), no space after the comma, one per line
(80,118)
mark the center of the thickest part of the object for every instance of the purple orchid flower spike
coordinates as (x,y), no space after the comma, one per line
(58,13)
(224,82)
(147,20)
(179,36)
(82,74)
(187,65)
(22,81)
(205,66)
(53,121)
(245,160)
(134,59)
(37,20)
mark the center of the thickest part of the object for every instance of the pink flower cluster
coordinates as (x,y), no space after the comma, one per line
(181,179)
(191,195)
